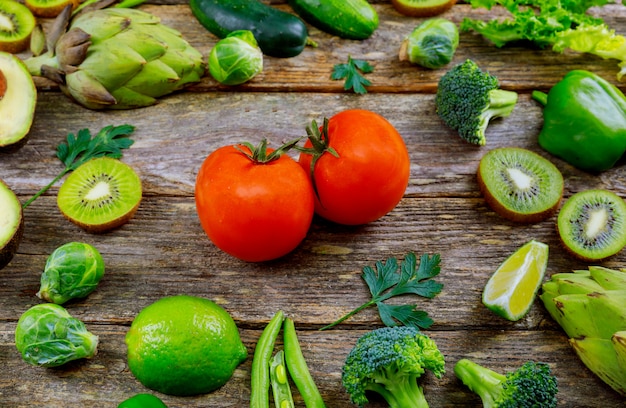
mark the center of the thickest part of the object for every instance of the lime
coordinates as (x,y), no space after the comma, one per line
(142,401)
(511,290)
(184,345)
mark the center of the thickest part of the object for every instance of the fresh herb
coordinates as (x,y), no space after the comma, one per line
(80,148)
(352,72)
(386,280)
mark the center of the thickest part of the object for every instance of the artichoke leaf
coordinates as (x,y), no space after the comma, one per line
(129,99)
(87,91)
(155,79)
(112,64)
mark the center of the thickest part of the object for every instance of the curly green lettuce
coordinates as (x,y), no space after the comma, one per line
(560,24)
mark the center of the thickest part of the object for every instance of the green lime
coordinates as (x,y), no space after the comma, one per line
(184,345)
(142,401)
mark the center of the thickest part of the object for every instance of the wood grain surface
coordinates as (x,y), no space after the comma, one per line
(163,251)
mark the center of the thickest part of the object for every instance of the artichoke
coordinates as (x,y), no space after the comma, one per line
(590,307)
(118,58)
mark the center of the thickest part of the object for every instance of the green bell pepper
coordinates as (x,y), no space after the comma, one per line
(584,121)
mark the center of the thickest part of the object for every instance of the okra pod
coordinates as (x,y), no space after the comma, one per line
(260,373)
(280,382)
(298,369)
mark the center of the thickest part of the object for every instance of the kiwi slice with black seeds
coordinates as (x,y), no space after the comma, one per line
(519,184)
(422,8)
(11,224)
(592,224)
(16,24)
(100,195)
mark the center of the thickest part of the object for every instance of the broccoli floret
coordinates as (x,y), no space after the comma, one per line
(389,361)
(531,385)
(468,98)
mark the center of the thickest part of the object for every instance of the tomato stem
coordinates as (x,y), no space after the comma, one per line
(259,154)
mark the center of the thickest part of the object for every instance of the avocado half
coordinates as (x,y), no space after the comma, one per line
(11,224)
(18,97)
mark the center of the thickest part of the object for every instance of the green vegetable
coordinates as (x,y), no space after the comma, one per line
(557,23)
(142,401)
(351,19)
(280,382)
(431,44)
(386,281)
(81,148)
(260,372)
(531,385)
(119,58)
(468,98)
(589,306)
(352,72)
(72,271)
(279,34)
(389,361)
(584,121)
(298,369)
(236,59)
(46,335)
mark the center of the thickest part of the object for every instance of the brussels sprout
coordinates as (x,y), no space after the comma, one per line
(48,336)
(72,271)
(431,44)
(236,58)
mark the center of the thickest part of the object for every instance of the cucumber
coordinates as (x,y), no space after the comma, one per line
(278,33)
(350,19)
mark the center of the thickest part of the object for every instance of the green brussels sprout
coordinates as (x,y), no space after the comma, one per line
(236,58)
(72,271)
(47,336)
(431,44)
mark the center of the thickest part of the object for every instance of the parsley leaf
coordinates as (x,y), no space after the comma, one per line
(385,281)
(352,72)
(80,148)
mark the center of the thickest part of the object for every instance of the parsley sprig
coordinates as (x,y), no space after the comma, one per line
(80,148)
(352,72)
(386,280)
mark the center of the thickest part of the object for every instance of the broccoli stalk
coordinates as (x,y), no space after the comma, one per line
(468,99)
(531,385)
(389,361)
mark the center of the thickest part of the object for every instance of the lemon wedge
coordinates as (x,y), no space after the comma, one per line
(511,290)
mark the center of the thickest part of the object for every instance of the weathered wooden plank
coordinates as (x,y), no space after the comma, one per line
(105,380)
(518,68)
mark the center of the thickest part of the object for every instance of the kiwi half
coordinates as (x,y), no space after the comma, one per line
(11,224)
(100,195)
(49,8)
(16,24)
(519,184)
(592,224)
(18,97)
(422,8)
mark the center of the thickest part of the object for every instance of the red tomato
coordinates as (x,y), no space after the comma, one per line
(253,211)
(370,175)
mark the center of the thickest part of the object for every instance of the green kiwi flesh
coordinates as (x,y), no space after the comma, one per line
(17,22)
(17,102)
(100,195)
(49,8)
(11,224)
(519,184)
(592,224)
(422,8)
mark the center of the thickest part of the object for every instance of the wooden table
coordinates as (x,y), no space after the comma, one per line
(163,250)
